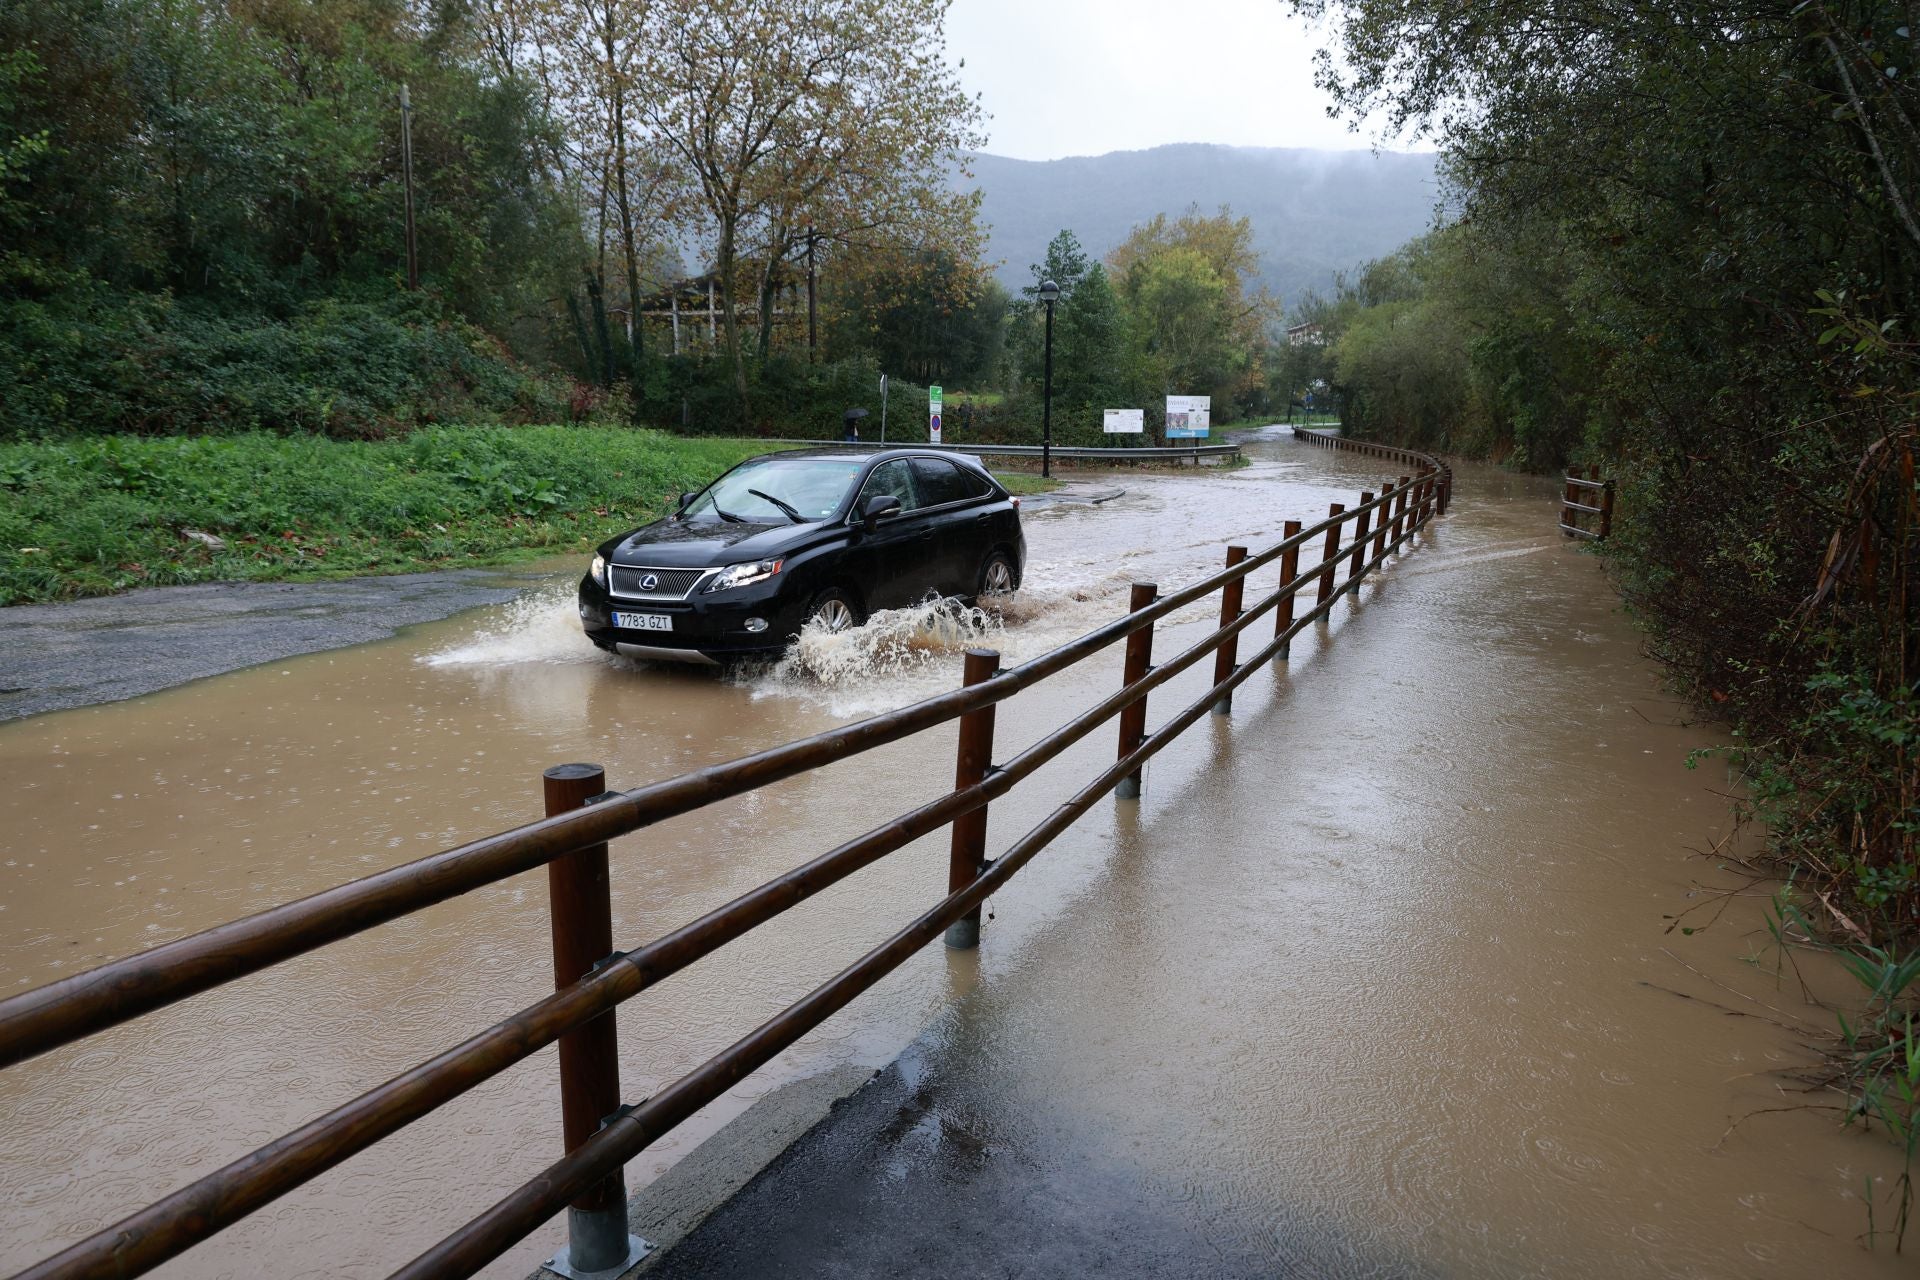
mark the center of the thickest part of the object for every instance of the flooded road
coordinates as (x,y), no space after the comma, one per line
(1416,883)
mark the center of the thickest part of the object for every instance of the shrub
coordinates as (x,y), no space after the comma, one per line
(89,361)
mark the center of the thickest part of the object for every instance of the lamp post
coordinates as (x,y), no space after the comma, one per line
(1049,294)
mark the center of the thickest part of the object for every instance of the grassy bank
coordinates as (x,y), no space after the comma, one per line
(95,516)
(1022,484)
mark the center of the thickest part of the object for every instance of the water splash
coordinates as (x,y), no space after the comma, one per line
(541,626)
(892,643)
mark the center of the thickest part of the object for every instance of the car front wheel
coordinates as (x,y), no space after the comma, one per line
(835,610)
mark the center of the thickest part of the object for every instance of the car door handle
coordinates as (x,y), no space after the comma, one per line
(926,535)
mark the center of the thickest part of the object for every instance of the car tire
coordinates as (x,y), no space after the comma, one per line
(999,576)
(836,609)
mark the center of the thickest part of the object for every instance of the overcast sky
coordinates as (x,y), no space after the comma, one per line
(1083,77)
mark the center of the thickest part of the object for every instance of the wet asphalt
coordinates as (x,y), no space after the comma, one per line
(936,1168)
(82,652)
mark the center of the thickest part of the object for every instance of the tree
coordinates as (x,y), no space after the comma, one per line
(1090,346)
(835,114)
(1185,285)
(935,320)
(587,56)
(1065,263)
(1176,302)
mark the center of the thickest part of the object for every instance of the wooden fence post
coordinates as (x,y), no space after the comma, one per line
(1133,717)
(1289,570)
(1231,597)
(581,910)
(1361,525)
(1329,554)
(967,855)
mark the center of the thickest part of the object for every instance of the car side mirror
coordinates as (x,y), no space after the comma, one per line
(881,504)
(687,498)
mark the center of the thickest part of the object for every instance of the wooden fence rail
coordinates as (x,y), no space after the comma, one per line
(1328,439)
(1573,510)
(592,978)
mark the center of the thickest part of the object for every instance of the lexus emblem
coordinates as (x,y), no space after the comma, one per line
(649,582)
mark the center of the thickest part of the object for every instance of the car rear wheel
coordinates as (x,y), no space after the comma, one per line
(997,576)
(835,610)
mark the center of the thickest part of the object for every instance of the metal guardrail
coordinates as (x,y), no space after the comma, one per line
(1328,439)
(592,979)
(1572,509)
(1077,453)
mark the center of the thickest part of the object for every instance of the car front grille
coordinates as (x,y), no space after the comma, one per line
(631,582)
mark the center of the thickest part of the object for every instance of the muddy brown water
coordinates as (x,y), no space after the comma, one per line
(1429,862)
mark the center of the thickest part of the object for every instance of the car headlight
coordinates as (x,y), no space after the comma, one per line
(598,570)
(742,575)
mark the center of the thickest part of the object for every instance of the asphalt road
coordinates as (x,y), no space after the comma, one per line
(935,1169)
(82,652)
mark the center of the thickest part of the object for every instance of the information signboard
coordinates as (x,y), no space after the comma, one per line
(1131,421)
(1189,417)
(933,415)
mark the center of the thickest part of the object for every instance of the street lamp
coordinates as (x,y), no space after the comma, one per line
(1049,294)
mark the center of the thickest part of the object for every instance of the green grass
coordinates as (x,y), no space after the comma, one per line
(106,514)
(1021,484)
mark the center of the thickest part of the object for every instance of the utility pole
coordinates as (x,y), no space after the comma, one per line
(406,169)
(813,339)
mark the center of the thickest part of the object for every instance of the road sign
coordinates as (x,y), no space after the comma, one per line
(933,414)
(1129,421)
(1189,417)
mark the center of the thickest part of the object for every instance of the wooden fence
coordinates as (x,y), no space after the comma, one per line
(592,978)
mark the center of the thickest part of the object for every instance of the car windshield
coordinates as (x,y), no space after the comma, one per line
(755,491)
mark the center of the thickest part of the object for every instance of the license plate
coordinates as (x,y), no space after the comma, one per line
(643,621)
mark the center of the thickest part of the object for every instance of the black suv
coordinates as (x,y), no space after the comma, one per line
(789,537)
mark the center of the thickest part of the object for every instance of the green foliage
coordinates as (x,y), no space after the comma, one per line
(89,360)
(1686,248)
(1460,341)
(1167,314)
(1875,1057)
(791,399)
(933,320)
(249,155)
(92,516)
(201,214)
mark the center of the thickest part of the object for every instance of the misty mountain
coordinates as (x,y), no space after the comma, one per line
(1314,213)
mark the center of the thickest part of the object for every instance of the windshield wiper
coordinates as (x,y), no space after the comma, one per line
(792,514)
(725,514)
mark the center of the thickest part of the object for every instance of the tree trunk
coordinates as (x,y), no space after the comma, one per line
(768,291)
(588,360)
(637,342)
(724,265)
(597,297)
